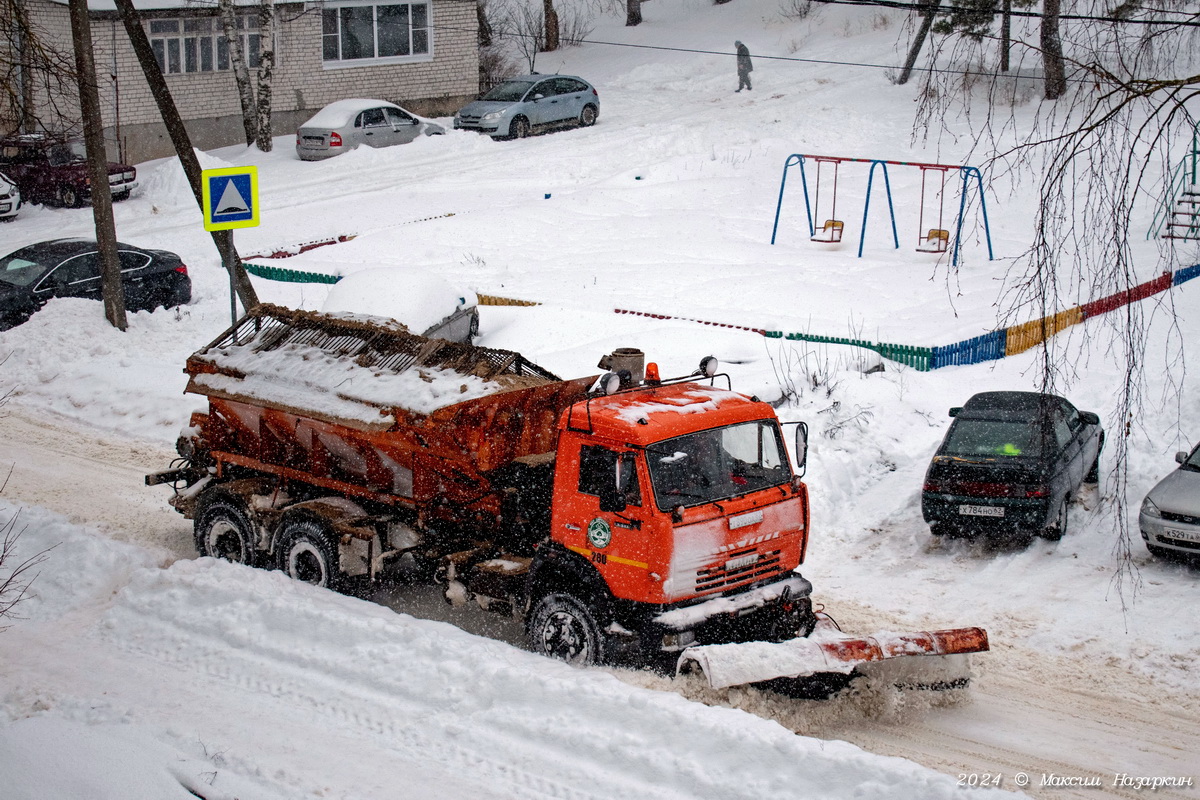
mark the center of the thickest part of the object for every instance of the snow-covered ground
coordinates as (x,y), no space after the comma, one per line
(139,671)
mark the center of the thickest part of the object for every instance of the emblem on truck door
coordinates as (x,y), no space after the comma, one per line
(599,534)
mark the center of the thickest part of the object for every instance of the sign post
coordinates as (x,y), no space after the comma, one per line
(230,200)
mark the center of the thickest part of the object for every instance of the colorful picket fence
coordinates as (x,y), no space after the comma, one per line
(1007,341)
(988,347)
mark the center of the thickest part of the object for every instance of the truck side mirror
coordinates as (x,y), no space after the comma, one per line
(801,448)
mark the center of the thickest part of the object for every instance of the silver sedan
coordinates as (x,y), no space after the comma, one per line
(1170,516)
(346,124)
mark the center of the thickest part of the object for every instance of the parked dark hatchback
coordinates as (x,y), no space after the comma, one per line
(29,277)
(49,170)
(1009,464)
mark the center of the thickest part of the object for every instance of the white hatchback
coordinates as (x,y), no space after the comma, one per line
(346,124)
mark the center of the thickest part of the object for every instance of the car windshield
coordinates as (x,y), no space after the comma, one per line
(17,269)
(717,464)
(508,92)
(67,153)
(1192,463)
(983,437)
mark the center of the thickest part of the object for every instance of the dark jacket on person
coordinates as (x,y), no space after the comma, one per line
(743,59)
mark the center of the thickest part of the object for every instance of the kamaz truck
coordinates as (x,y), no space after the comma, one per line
(623,517)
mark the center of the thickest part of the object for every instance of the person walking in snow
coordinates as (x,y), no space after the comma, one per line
(743,66)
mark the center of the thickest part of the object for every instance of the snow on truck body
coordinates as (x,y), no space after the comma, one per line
(621,518)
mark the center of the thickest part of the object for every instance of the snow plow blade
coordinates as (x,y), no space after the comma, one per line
(825,651)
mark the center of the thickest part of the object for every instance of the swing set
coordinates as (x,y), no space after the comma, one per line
(933,189)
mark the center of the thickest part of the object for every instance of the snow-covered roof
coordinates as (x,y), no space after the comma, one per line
(340,112)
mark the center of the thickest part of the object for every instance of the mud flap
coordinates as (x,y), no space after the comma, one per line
(825,651)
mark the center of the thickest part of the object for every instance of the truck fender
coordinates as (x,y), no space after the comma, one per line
(352,531)
(557,569)
(240,491)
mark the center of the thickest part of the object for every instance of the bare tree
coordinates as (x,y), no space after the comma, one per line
(633,12)
(266,72)
(550,18)
(238,278)
(31,66)
(112,288)
(1126,107)
(15,577)
(237,62)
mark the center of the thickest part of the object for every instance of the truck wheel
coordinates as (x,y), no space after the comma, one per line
(224,530)
(308,554)
(562,627)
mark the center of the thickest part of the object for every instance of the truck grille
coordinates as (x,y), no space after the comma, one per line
(733,572)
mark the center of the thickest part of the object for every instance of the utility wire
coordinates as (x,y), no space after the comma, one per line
(1193,22)
(794,59)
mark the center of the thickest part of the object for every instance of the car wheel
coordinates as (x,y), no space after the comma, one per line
(563,627)
(1093,475)
(1058,528)
(68,197)
(1159,552)
(587,117)
(224,530)
(308,554)
(519,128)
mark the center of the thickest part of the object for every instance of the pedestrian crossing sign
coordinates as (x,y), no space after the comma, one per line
(230,198)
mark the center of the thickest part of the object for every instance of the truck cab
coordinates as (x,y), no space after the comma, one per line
(677,505)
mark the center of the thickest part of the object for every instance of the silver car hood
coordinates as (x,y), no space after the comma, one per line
(1179,492)
(481,107)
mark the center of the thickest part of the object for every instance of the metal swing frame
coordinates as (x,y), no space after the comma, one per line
(970,175)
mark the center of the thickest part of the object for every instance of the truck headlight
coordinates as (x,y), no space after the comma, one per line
(678,641)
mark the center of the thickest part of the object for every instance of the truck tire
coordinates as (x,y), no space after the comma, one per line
(307,553)
(563,627)
(223,530)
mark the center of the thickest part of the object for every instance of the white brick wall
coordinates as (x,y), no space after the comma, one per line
(302,84)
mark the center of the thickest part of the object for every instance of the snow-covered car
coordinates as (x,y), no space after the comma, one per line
(1170,515)
(518,106)
(1010,463)
(10,198)
(423,302)
(53,170)
(32,275)
(346,124)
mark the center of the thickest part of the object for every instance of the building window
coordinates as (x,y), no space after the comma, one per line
(198,44)
(375,32)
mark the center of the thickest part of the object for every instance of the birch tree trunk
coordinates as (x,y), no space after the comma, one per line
(241,74)
(266,68)
(1052,53)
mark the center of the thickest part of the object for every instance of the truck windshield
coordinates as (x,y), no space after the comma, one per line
(717,464)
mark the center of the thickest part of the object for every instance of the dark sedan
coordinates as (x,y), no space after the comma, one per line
(1009,465)
(29,277)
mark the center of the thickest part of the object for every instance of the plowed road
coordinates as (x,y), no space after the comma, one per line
(1057,720)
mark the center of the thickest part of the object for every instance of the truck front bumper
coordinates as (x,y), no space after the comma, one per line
(773,611)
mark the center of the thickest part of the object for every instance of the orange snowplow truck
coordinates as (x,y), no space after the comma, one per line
(622,517)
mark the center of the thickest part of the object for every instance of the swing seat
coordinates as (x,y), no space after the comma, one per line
(936,242)
(831,231)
